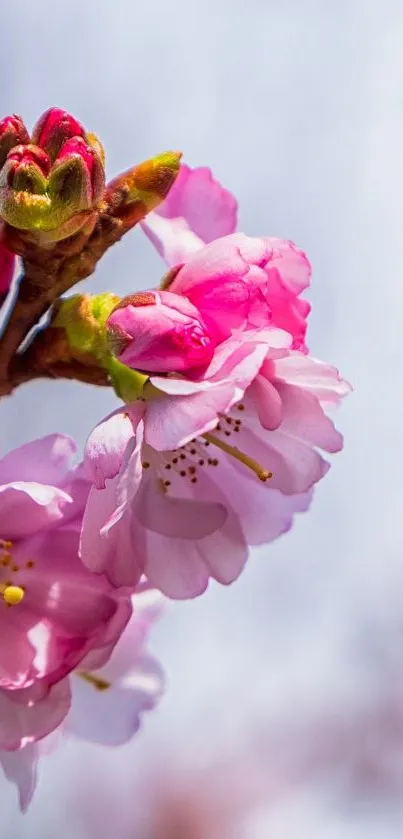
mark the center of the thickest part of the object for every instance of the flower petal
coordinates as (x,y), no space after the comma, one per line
(46,460)
(197,210)
(181,518)
(24,718)
(20,767)
(28,507)
(106,445)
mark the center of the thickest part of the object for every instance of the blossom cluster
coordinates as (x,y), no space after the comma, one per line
(218,441)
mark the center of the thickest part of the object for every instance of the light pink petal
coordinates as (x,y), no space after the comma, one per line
(172,421)
(112,716)
(181,567)
(321,379)
(106,544)
(176,517)
(46,460)
(207,211)
(106,445)
(20,767)
(24,719)
(173,238)
(28,507)
(265,513)
(304,418)
(94,548)
(296,466)
(99,655)
(267,401)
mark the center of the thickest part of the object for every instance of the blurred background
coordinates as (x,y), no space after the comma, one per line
(283,716)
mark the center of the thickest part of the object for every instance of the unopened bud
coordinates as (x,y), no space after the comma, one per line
(160,332)
(12,133)
(77,178)
(52,130)
(136,192)
(39,197)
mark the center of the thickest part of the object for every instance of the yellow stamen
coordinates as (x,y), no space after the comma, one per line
(96,681)
(12,595)
(262,474)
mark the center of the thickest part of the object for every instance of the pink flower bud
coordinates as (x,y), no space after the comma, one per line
(12,133)
(158,331)
(53,128)
(84,159)
(26,169)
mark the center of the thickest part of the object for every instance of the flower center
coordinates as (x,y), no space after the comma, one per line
(185,462)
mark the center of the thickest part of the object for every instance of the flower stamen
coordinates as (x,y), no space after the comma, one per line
(12,595)
(96,681)
(233,451)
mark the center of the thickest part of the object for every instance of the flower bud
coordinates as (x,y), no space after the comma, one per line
(159,332)
(39,197)
(77,178)
(52,130)
(137,191)
(12,133)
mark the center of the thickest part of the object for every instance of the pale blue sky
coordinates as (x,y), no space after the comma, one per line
(298,108)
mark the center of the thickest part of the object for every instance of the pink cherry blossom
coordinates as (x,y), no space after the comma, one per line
(158,330)
(242,282)
(183,478)
(235,281)
(110,695)
(101,702)
(52,611)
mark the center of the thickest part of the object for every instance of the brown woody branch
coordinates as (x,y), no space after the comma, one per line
(23,370)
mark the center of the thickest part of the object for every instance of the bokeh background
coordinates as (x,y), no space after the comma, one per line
(285,691)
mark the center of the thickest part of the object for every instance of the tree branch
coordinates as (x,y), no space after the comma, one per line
(22,370)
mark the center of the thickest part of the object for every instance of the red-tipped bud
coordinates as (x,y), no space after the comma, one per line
(26,169)
(12,133)
(53,128)
(78,176)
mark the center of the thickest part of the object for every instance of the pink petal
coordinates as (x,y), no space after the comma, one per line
(45,460)
(265,513)
(296,466)
(176,517)
(20,767)
(28,507)
(181,568)
(206,210)
(173,421)
(24,719)
(113,715)
(268,403)
(173,238)
(291,262)
(321,379)
(106,544)
(304,418)
(106,445)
